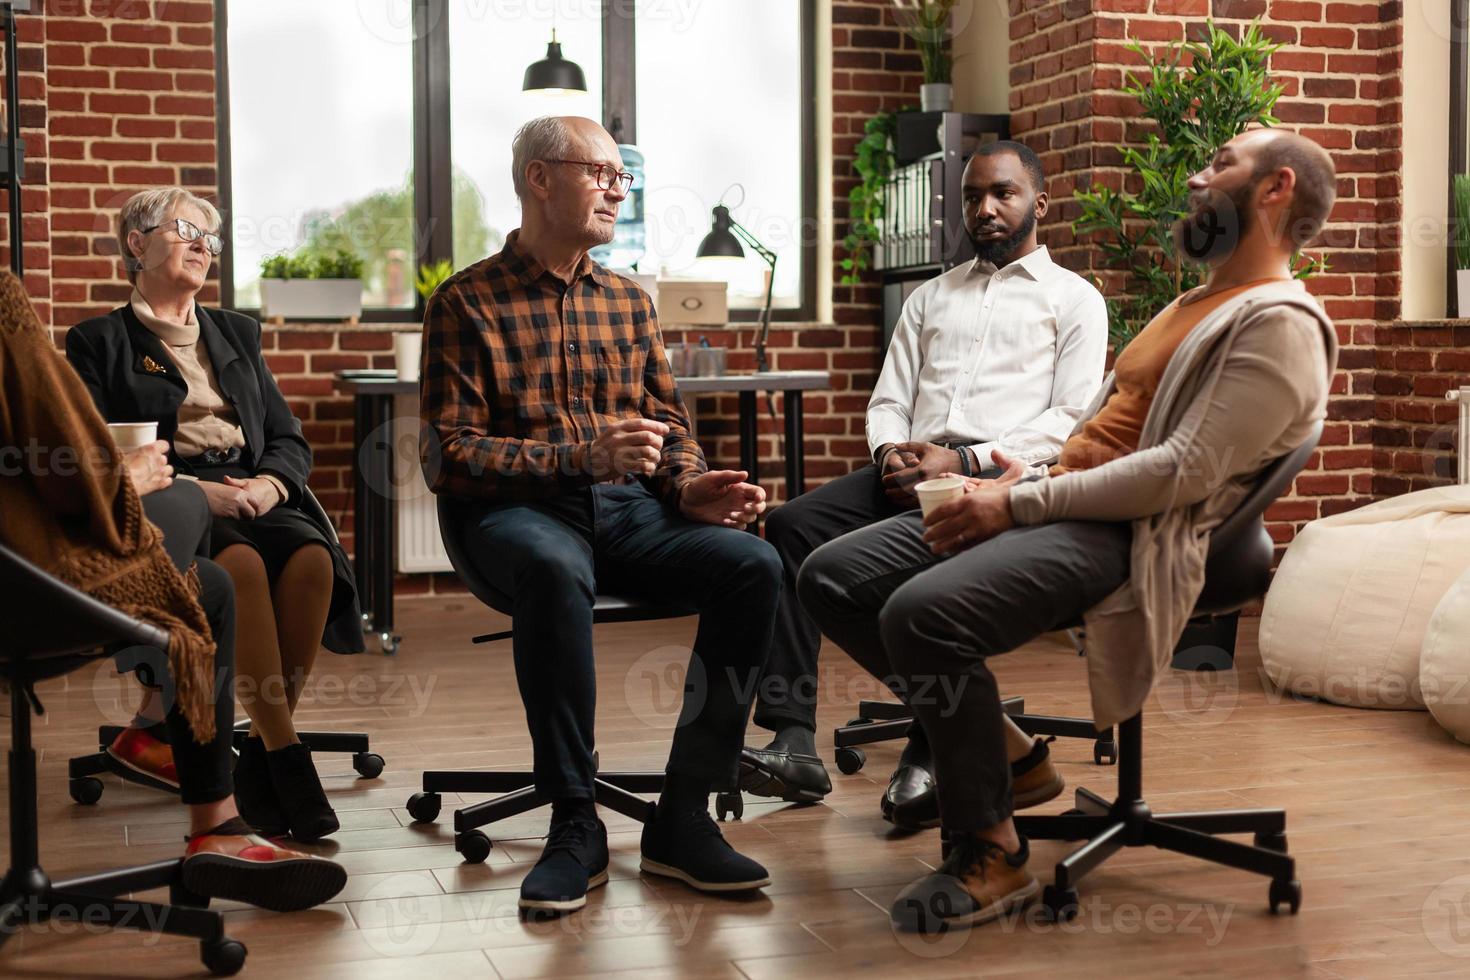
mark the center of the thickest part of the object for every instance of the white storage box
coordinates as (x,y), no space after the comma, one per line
(693,301)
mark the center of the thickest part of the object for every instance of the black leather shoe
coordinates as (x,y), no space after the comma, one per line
(911,801)
(574,861)
(255,794)
(783,775)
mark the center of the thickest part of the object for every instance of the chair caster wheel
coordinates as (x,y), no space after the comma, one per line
(369,765)
(1287,891)
(389,643)
(424,807)
(474,846)
(855,722)
(86,791)
(850,761)
(1272,842)
(1061,903)
(1105,752)
(223,958)
(729,804)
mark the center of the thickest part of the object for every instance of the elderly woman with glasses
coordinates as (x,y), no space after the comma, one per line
(199,373)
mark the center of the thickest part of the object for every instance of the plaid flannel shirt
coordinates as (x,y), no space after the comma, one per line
(523,371)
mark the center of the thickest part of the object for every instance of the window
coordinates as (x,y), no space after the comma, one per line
(320,143)
(720,93)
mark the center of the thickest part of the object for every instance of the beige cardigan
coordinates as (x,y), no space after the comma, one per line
(1245,387)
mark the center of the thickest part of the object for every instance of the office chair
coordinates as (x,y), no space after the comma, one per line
(82,770)
(1237,572)
(52,629)
(615,790)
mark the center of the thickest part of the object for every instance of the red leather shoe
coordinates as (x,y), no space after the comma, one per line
(224,863)
(143,753)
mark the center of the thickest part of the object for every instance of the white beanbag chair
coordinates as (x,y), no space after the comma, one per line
(1444,664)
(1346,616)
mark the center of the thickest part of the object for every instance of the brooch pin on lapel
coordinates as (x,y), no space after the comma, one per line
(152,366)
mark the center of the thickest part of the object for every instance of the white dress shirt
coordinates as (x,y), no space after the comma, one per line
(994,359)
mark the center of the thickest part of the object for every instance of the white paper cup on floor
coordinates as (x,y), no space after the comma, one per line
(406,350)
(932,493)
(133,435)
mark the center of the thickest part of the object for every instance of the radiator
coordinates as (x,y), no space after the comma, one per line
(418,544)
(1462,441)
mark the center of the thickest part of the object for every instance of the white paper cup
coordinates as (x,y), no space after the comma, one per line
(133,435)
(406,350)
(932,493)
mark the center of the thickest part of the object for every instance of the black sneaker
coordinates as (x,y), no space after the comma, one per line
(573,861)
(687,845)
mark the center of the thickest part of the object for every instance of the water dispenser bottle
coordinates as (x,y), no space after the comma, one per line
(627,246)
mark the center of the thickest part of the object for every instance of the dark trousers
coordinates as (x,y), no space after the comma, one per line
(926,626)
(788,688)
(551,558)
(182,513)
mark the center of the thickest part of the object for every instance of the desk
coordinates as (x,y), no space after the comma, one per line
(373,518)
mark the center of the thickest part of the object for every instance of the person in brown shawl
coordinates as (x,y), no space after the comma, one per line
(71,507)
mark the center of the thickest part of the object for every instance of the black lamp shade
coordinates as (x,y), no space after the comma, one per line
(721,241)
(554,72)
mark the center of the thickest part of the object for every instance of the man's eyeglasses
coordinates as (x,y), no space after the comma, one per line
(604,174)
(190,232)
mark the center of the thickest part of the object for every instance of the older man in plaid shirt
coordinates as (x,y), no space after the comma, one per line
(553,423)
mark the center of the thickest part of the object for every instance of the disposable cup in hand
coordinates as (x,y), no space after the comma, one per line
(133,435)
(932,493)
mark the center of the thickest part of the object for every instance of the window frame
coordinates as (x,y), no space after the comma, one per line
(432,139)
(1459,140)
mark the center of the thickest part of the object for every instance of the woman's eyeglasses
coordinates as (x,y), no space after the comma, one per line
(604,174)
(190,232)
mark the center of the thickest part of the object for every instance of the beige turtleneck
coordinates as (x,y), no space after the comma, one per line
(207,420)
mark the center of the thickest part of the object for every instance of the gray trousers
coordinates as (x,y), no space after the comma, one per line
(925,626)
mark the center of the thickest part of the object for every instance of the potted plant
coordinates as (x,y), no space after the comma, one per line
(1197,105)
(432,276)
(1462,244)
(873,162)
(928,23)
(311,285)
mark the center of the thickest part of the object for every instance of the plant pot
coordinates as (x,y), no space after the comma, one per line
(1462,292)
(936,97)
(320,299)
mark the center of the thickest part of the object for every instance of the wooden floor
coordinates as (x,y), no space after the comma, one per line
(1379,819)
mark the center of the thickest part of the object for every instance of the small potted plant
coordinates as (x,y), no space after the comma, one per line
(1462,244)
(928,23)
(311,285)
(432,276)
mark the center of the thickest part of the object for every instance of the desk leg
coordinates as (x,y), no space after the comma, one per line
(795,460)
(362,549)
(749,446)
(385,525)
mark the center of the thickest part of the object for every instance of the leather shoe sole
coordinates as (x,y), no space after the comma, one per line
(783,776)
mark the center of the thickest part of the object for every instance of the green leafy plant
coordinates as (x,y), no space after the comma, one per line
(873,163)
(1462,221)
(431,276)
(1200,94)
(927,22)
(312,264)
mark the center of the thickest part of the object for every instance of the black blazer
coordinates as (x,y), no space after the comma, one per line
(119,360)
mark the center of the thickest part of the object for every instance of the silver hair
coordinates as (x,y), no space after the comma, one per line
(149,209)
(543,138)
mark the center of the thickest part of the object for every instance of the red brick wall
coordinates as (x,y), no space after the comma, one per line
(1340,67)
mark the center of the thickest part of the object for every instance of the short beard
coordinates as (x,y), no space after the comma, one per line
(999,251)
(1213,229)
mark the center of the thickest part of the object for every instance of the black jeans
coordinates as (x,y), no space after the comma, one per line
(182,513)
(551,558)
(925,626)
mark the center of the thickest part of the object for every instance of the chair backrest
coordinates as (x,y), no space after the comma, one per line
(608,608)
(1238,569)
(313,508)
(45,617)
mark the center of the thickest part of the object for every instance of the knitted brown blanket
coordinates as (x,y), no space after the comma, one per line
(67,505)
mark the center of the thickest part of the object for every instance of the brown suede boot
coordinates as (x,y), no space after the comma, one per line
(1034,779)
(977,883)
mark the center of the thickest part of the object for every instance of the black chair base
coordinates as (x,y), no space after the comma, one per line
(1108,827)
(86,789)
(886,721)
(615,790)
